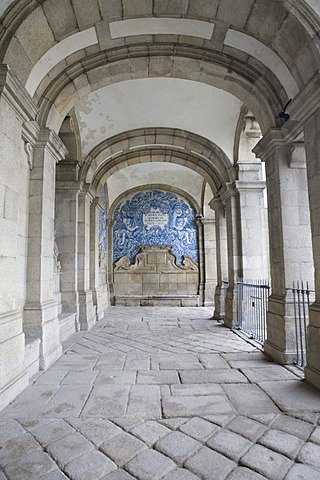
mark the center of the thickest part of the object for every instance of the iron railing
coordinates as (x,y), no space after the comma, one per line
(301,294)
(252,308)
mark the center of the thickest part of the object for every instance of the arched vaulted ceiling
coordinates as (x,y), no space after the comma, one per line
(124,65)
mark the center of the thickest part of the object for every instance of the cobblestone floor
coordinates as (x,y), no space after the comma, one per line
(162,393)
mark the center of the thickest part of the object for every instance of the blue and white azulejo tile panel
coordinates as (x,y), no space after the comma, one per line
(155,217)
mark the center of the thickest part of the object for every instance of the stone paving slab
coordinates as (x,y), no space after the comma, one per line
(265,374)
(210,465)
(31,467)
(150,432)
(212,376)
(248,399)
(107,401)
(178,446)
(68,401)
(195,405)
(266,462)
(223,421)
(292,395)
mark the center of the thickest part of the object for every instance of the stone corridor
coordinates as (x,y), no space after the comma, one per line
(162,393)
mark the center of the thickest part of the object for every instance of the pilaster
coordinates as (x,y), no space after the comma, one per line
(87,310)
(209,239)
(221,257)
(312,146)
(289,236)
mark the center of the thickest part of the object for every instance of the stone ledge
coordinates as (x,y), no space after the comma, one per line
(157,300)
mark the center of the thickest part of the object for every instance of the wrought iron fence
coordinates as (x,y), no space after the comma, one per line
(302,295)
(252,308)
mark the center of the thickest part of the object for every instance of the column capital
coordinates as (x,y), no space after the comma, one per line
(298,155)
(87,189)
(216,204)
(257,185)
(228,190)
(96,202)
(269,143)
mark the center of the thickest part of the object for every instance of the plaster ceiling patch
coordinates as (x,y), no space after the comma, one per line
(265,55)
(60,51)
(4,4)
(165,26)
(159,102)
(315,5)
(154,173)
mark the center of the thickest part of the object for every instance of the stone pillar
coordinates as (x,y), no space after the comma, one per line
(230,198)
(66,226)
(110,280)
(40,311)
(289,236)
(312,146)
(201,261)
(95,207)
(253,221)
(87,311)
(221,257)
(209,234)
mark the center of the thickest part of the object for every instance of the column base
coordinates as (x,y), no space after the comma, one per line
(103,301)
(219,303)
(279,356)
(231,315)
(13,376)
(12,389)
(41,321)
(87,311)
(312,376)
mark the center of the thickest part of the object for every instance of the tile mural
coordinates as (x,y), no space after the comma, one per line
(155,218)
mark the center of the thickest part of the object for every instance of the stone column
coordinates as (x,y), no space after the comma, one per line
(221,257)
(253,221)
(110,281)
(87,311)
(289,236)
(201,261)
(95,207)
(209,234)
(230,198)
(312,146)
(66,226)
(40,311)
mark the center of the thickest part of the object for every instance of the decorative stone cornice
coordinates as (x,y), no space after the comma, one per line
(257,185)
(16,95)
(87,189)
(227,191)
(49,139)
(298,155)
(269,142)
(307,101)
(217,205)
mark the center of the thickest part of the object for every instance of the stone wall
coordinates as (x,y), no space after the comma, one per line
(156,278)
(15,164)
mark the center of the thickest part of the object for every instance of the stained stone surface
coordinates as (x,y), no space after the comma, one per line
(161,393)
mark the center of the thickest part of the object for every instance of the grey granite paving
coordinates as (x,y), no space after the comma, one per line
(162,393)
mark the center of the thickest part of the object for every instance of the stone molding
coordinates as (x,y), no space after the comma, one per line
(217,205)
(16,95)
(48,139)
